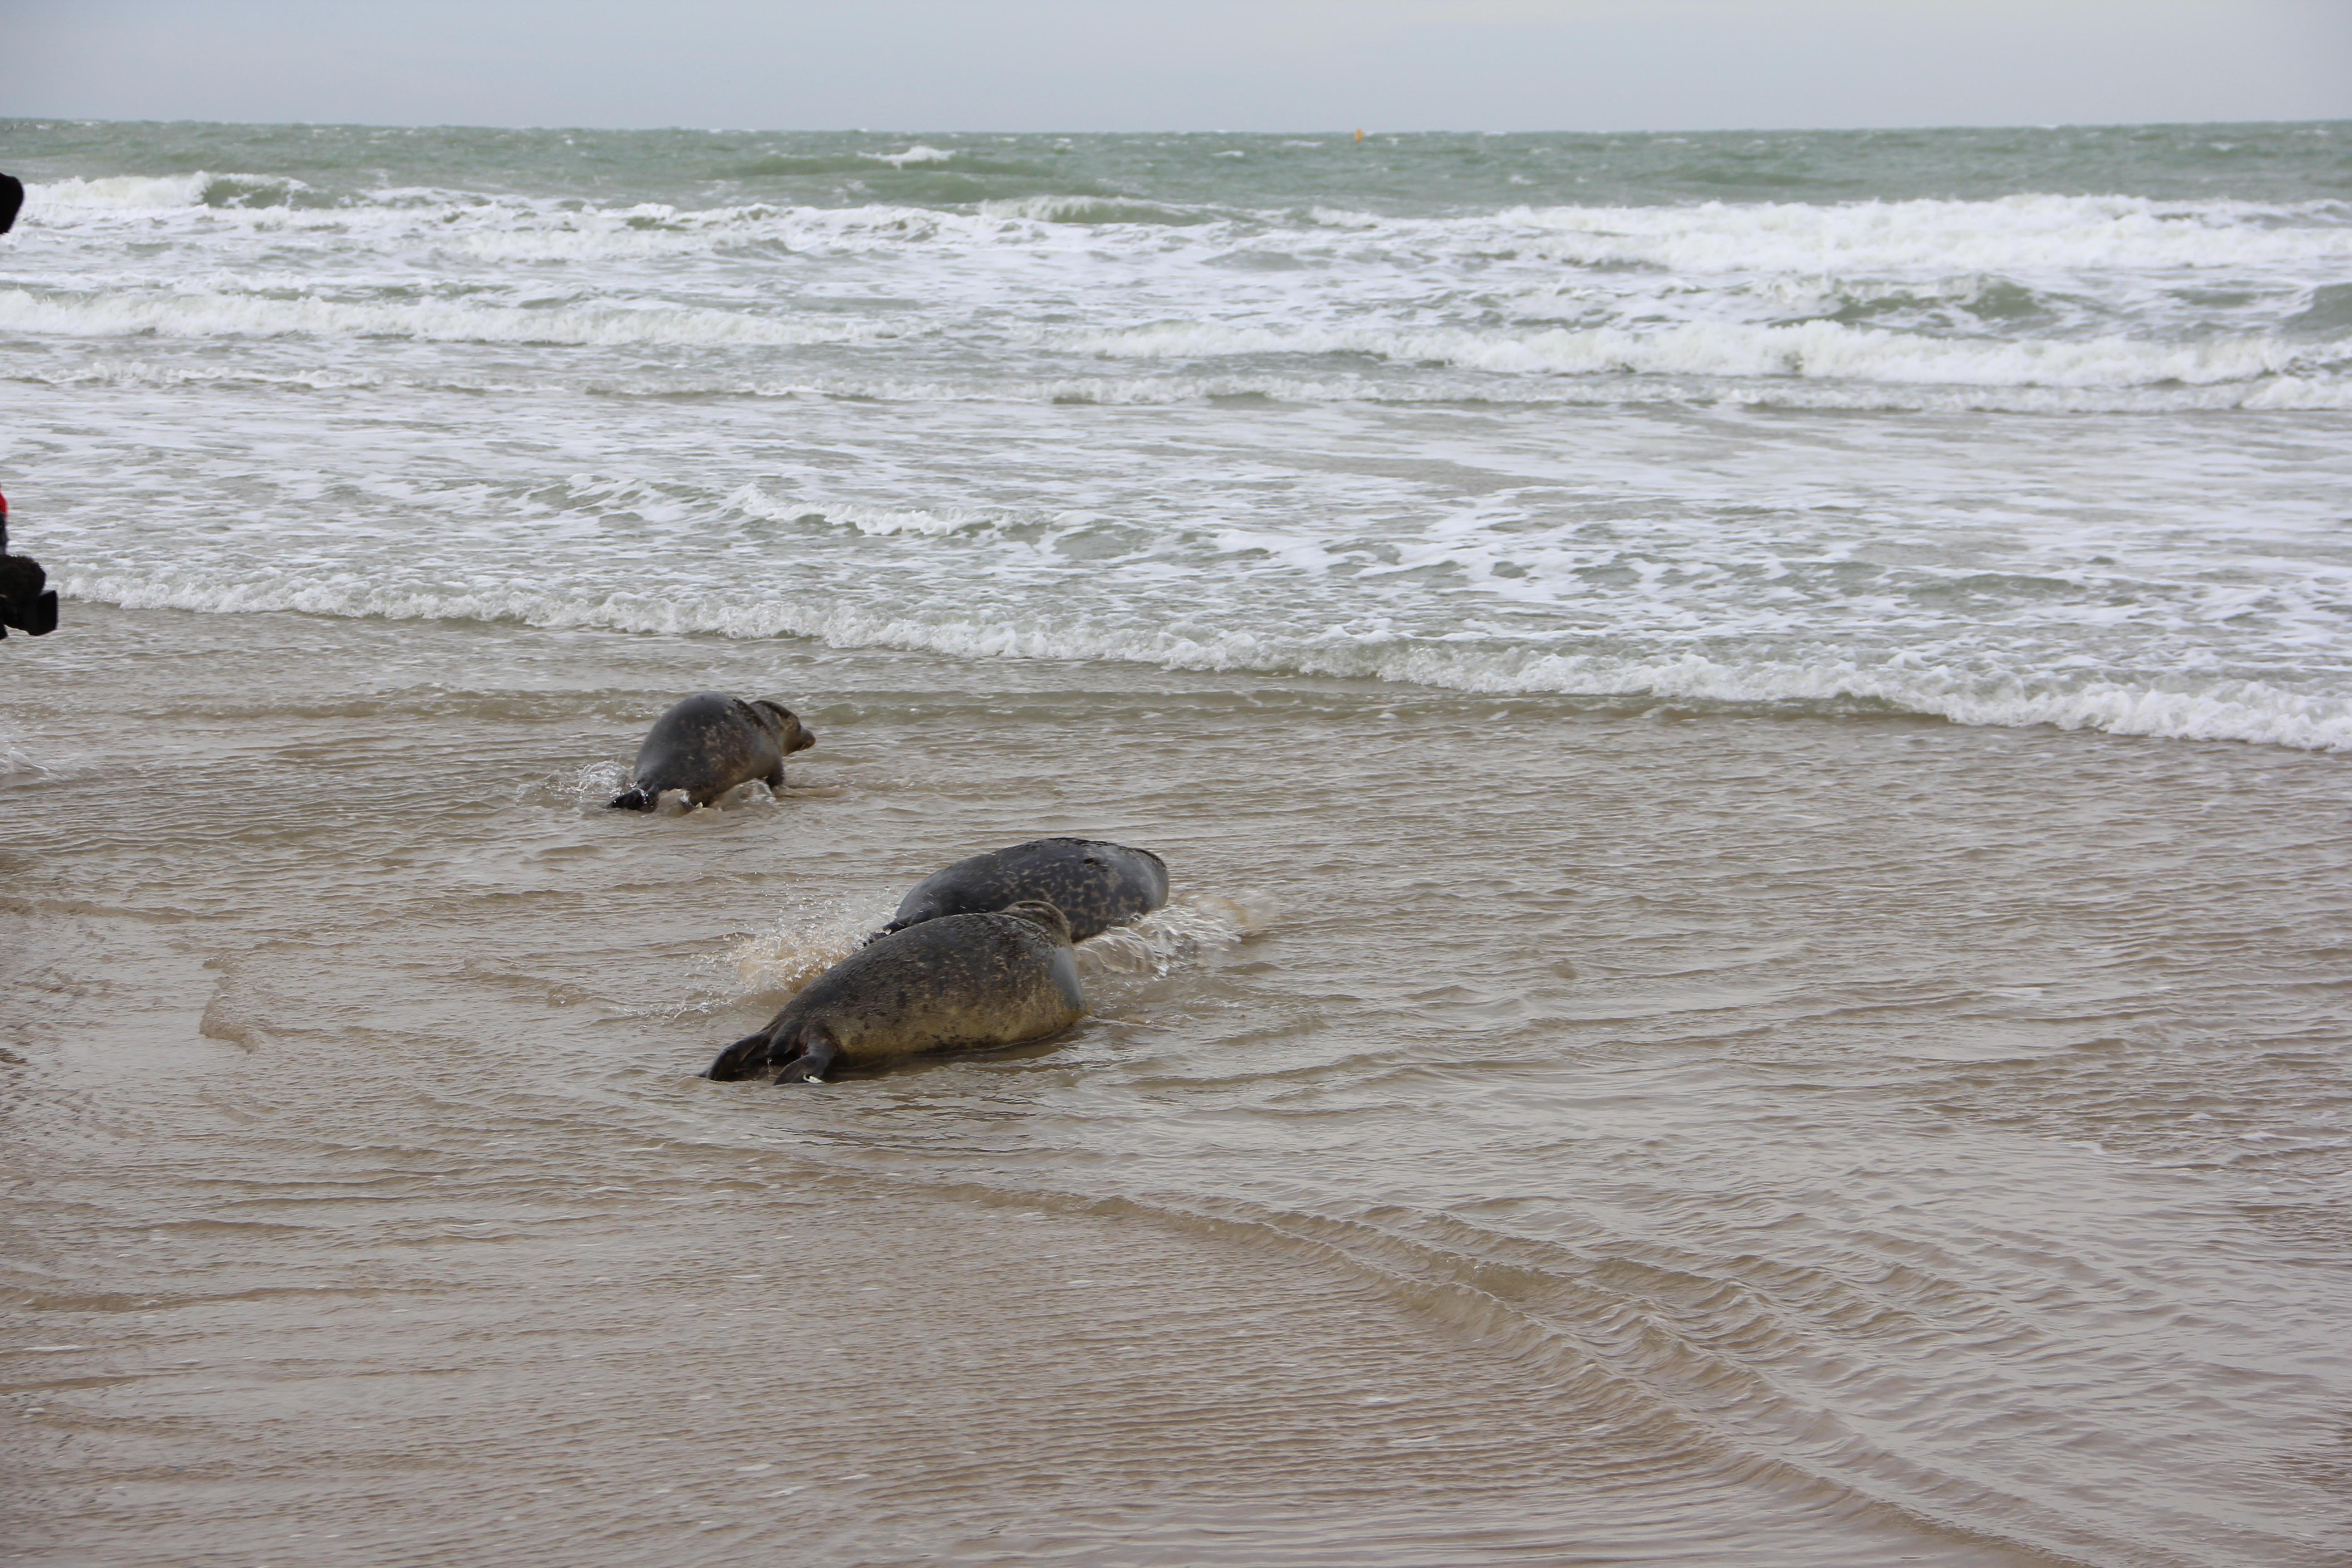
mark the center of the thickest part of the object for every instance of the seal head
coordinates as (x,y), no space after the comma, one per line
(961,980)
(711,742)
(1097,884)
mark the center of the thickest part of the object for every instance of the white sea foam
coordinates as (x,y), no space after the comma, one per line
(2285,392)
(917,153)
(772,964)
(874,521)
(240,315)
(2214,707)
(398,222)
(1171,935)
(1814,349)
(2024,233)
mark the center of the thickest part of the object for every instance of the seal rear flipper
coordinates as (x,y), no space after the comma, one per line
(818,1053)
(634,799)
(746,1057)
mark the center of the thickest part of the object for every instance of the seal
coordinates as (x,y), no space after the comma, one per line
(1097,884)
(26,601)
(709,744)
(961,980)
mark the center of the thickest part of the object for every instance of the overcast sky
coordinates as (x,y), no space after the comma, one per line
(1158,65)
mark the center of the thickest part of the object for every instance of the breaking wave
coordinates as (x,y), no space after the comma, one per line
(1965,686)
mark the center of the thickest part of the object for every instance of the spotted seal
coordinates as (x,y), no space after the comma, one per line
(992,979)
(709,744)
(1097,884)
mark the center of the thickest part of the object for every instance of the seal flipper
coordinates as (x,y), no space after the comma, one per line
(747,1055)
(634,799)
(817,1054)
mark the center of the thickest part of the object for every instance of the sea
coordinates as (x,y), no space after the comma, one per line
(1749,732)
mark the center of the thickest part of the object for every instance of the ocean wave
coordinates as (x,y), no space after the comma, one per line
(1808,349)
(874,521)
(1084,209)
(775,164)
(200,208)
(1964,690)
(2295,371)
(2178,707)
(50,200)
(2328,308)
(2012,233)
(2275,394)
(241,315)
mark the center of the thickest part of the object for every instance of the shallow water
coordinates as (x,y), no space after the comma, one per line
(1540,1130)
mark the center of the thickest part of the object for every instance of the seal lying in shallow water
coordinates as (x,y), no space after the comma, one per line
(1094,883)
(962,980)
(709,744)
